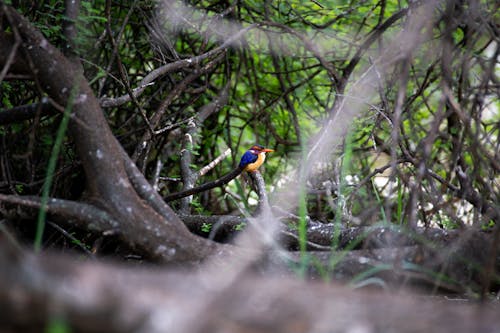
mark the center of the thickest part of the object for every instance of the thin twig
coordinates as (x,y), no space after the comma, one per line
(74,240)
(203,171)
(173,66)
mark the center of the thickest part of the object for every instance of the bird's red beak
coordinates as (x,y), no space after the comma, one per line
(266,150)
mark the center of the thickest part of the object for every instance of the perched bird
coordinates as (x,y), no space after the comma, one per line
(253,158)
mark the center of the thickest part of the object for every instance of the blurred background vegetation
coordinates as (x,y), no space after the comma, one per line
(424,151)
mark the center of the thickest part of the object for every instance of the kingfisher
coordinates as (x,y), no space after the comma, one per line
(253,158)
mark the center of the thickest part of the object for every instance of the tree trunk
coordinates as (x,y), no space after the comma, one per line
(158,231)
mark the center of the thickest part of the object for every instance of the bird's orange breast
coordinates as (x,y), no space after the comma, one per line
(252,167)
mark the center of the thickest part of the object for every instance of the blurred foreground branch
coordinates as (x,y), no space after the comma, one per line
(38,290)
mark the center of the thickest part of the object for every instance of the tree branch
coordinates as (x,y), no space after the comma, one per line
(205,187)
(102,157)
(85,216)
(35,290)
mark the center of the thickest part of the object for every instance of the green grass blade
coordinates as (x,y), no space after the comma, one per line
(302,227)
(51,167)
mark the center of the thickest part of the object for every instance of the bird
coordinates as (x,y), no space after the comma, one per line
(250,161)
(253,158)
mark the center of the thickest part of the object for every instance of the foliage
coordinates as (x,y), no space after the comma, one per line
(58,325)
(206,227)
(421,160)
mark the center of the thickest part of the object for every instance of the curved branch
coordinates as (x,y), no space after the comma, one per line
(207,186)
(142,149)
(85,215)
(173,66)
(25,112)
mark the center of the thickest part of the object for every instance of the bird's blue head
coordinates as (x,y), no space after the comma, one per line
(251,157)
